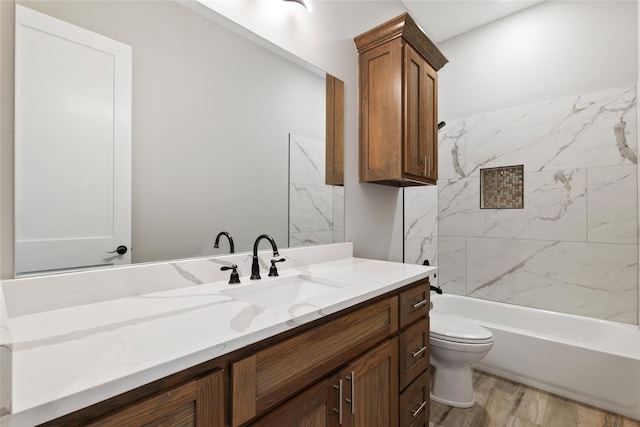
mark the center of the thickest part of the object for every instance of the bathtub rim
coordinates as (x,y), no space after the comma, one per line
(632,352)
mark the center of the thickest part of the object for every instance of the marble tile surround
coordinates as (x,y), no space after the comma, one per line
(316,210)
(421,226)
(574,246)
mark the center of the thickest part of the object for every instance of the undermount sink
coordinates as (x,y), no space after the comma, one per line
(283,290)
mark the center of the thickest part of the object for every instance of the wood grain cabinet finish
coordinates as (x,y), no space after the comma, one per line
(268,377)
(199,402)
(414,354)
(414,303)
(312,408)
(398,68)
(371,383)
(334,166)
(414,351)
(414,402)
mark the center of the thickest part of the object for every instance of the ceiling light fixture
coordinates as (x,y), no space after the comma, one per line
(305,3)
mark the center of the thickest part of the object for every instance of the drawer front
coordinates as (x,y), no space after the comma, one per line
(414,303)
(414,402)
(414,351)
(279,371)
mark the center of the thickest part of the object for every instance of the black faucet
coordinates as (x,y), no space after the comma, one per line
(255,267)
(228,236)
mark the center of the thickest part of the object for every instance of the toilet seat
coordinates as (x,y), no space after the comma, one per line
(455,329)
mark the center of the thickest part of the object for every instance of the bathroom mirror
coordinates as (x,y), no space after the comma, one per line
(211,115)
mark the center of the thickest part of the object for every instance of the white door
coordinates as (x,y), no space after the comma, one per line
(72,146)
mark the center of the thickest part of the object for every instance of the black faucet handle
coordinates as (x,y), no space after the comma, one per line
(273,271)
(235,277)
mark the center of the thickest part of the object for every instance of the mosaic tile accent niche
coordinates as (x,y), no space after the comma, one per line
(502,187)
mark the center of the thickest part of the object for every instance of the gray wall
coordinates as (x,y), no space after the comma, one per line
(553,49)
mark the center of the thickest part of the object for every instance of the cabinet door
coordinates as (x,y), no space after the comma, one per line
(312,408)
(381,112)
(420,159)
(197,403)
(370,396)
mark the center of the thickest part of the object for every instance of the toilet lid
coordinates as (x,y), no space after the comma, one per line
(457,329)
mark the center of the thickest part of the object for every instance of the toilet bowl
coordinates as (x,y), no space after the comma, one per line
(456,344)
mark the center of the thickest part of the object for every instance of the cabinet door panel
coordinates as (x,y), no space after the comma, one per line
(420,127)
(373,399)
(381,112)
(174,407)
(415,160)
(430,102)
(313,408)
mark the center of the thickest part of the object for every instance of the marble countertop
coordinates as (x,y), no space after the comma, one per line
(70,358)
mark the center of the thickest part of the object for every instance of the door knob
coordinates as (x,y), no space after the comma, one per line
(120,250)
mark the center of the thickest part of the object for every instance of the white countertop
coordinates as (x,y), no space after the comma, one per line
(70,358)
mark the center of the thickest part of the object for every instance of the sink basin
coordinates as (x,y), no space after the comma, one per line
(283,290)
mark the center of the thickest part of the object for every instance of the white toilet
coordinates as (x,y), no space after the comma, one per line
(456,344)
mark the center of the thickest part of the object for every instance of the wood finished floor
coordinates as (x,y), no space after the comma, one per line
(504,403)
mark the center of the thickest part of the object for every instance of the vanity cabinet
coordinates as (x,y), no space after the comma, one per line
(398,67)
(270,376)
(363,394)
(364,366)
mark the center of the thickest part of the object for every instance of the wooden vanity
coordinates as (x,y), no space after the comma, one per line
(366,365)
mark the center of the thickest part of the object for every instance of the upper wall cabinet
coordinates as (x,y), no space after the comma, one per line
(398,104)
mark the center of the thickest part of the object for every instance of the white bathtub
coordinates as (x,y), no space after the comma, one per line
(589,360)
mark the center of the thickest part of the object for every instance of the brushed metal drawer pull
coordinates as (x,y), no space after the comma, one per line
(352,400)
(420,304)
(417,411)
(339,410)
(420,350)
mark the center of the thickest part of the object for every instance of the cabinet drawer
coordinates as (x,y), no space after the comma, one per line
(414,402)
(414,351)
(271,375)
(414,303)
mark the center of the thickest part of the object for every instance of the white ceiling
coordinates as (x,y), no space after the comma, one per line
(445,19)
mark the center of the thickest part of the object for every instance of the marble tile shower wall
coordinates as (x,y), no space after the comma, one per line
(574,246)
(316,210)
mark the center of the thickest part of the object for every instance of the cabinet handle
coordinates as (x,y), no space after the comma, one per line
(425,165)
(339,410)
(417,411)
(420,304)
(418,352)
(429,163)
(351,401)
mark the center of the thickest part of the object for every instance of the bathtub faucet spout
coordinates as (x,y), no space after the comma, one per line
(432,288)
